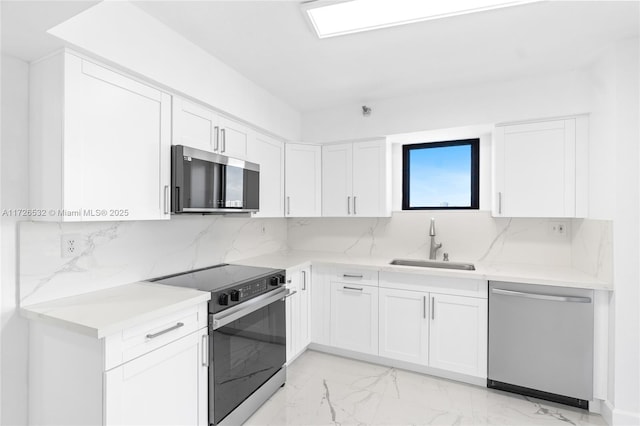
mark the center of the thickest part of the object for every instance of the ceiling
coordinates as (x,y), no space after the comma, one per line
(271,43)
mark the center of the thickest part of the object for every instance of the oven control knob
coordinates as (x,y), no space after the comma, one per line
(275,280)
(223,299)
(235,295)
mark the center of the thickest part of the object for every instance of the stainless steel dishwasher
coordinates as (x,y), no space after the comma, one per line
(541,341)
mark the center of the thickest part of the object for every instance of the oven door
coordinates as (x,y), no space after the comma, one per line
(248,347)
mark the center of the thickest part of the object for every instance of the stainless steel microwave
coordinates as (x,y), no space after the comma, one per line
(205,182)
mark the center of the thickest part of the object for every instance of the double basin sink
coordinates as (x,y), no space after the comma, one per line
(434,264)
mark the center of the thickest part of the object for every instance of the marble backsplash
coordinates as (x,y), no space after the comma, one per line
(115,253)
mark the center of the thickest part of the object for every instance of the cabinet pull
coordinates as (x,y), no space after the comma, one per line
(424,307)
(160,333)
(352,288)
(288,205)
(354,205)
(224,140)
(216,138)
(349,205)
(499,202)
(304,280)
(352,275)
(433,308)
(166,199)
(205,350)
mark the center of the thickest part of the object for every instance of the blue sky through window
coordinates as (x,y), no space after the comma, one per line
(440,176)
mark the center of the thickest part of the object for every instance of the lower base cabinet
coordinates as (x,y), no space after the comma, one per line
(354,317)
(298,306)
(159,388)
(155,373)
(404,325)
(458,334)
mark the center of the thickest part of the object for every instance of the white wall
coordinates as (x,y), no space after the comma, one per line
(544,96)
(125,35)
(14,195)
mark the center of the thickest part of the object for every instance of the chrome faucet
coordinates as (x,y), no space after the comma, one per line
(433,248)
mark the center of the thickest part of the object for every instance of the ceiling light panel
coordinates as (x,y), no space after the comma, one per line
(339,18)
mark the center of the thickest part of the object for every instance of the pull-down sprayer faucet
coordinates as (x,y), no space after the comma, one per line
(433,248)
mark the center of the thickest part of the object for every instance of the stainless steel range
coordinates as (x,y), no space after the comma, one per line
(247,336)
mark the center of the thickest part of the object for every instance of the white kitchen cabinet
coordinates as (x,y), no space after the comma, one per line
(303,180)
(458,334)
(269,153)
(298,306)
(199,127)
(354,316)
(153,373)
(163,387)
(404,325)
(99,143)
(540,168)
(356,179)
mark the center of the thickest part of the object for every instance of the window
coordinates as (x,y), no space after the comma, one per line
(441,175)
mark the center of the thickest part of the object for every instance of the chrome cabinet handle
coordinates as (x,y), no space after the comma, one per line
(224,140)
(352,275)
(160,333)
(205,350)
(541,296)
(499,202)
(166,199)
(352,288)
(349,205)
(216,138)
(354,205)
(433,307)
(424,307)
(288,205)
(304,280)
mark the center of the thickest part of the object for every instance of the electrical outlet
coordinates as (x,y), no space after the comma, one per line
(71,245)
(558,228)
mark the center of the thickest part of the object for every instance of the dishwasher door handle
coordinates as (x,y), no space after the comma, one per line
(541,296)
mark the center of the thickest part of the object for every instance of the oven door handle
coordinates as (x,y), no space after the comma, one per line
(238,311)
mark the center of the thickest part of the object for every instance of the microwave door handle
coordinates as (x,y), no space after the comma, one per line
(223,186)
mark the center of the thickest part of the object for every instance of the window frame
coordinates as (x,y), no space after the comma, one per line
(474,143)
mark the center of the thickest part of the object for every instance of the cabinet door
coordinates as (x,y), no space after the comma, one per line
(371,194)
(354,317)
(194,125)
(404,325)
(305,307)
(337,175)
(165,387)
(234,138)
(303,180)
(116,148)
(458,334)
(535,169)
(269,153)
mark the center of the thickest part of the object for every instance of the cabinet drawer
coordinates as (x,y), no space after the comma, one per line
(138,340)
(355,275)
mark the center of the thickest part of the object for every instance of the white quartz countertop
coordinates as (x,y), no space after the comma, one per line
(521,273)
(105,312)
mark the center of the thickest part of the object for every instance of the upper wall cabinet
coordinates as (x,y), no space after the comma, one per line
(269,153)
(303,180)
(355,179)
(99,143)
(540,168)
(202,128)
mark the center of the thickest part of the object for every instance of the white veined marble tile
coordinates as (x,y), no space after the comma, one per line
(324,389)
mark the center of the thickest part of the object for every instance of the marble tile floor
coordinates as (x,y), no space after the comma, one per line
(323,389)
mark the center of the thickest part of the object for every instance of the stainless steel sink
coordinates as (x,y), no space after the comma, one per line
(434,264)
